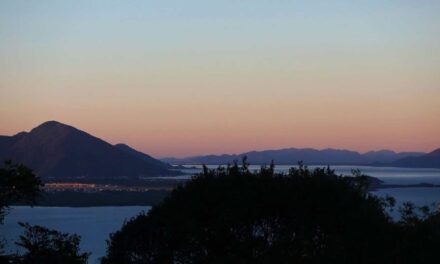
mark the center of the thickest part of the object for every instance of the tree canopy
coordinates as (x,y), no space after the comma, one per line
(232,215)
(17,184)
(43,246)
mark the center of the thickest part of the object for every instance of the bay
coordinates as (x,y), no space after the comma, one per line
(389,175)
(93,224)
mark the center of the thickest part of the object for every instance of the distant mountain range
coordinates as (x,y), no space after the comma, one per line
(56,150)
(430,160)
(321,157)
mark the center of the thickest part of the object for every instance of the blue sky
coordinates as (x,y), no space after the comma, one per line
(179,72)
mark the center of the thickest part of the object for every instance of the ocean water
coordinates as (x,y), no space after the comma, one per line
(419,196)
(93,224)
(389,175)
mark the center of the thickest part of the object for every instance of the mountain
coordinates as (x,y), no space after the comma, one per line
(430,160)
(307,155)
(387,156)
(56,150)
(140,155)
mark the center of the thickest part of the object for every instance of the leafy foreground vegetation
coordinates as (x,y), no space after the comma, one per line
(41,245)
(17,184)
(231,215)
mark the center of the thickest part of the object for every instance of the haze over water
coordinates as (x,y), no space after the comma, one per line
(389,175)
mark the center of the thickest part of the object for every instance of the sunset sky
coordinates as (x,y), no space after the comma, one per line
(181,78)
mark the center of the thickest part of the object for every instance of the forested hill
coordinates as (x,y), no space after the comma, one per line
(56,150)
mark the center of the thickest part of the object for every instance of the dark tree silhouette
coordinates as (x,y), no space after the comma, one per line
(43,246)
(231,215)
(17,184)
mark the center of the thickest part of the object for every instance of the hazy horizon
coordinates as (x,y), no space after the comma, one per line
(180,79)
(236,153)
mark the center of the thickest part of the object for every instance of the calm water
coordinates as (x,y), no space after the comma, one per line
(93,224)
(419,196)
(390,175)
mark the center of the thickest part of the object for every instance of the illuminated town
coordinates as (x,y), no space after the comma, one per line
(92,187)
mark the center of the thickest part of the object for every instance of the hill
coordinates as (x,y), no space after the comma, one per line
(56,150)
(430,160)
(308,155)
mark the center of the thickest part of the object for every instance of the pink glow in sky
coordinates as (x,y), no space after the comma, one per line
(199,78)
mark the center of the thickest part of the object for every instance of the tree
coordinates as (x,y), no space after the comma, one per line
(17,184)
(231,215)
(43,246)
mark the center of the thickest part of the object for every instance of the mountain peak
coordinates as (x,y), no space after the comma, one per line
(57,150)
(435,152)
(309,156)
(381,151)
(51,124)
(52,128)
(430,160)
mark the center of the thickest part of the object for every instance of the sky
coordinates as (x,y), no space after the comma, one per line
(182,78)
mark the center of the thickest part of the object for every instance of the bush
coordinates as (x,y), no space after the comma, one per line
(231,215)
(44,246)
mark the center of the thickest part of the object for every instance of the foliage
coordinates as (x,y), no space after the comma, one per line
(419,238)
(231,215)
(17,184)
(43,245)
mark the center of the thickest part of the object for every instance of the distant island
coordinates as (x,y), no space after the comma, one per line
(430,160)
(143,193)
(57,151)
(329,156)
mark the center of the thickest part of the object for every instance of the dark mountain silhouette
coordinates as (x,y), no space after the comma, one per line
(142,156)
(56,150)
(308,155)
(388,156)
(430,160)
